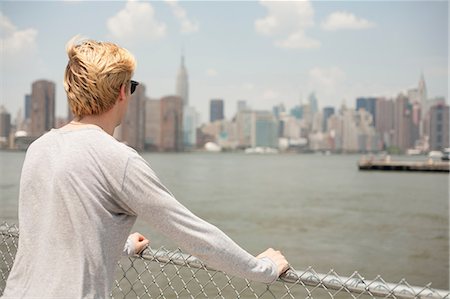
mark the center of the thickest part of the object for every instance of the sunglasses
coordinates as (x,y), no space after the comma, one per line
(134,84)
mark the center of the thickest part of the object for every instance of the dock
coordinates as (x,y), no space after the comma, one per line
(426,166)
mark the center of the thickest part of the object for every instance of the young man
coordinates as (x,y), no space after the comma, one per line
(81,191)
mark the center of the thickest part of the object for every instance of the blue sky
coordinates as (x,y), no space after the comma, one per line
(260,51)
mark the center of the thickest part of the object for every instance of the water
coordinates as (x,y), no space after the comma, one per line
(319,210)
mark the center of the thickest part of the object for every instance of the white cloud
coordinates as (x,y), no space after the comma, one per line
(298,41)
(187,26)
(135,23)
(15,42)
(287,23)
(211,72)
(345,20)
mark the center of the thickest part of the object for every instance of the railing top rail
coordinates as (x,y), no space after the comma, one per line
(354,285)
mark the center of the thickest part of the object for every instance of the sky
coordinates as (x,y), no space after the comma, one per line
(264,52)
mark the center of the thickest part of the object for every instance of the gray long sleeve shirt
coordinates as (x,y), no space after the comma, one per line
(80,194)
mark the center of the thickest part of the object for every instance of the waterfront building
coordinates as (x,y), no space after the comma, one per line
(27,106)
(241,105)
(216,108)
(171,136)
(326,112)
(5,127)
(244,128)
(297,112)
(152,131)
(264,130)
(349,130)
(182,84)
(402,124)
(190,124)
(132,128)
(369,104)
(439,127)
(42,107)
(384,121)
(313,104)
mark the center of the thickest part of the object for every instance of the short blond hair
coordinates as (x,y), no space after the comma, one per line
(94,75)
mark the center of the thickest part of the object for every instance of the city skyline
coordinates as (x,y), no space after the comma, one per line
(263,52)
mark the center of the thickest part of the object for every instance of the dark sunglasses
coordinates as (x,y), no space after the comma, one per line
(134,84)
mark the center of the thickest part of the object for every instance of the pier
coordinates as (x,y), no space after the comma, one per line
(422,166)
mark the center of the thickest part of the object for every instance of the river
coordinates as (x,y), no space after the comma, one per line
(318,209)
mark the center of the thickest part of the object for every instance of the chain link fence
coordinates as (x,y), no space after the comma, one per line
(168,274)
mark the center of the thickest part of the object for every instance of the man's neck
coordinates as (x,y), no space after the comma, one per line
(98,120)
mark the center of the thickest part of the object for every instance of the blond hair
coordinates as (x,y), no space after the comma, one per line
(94,75)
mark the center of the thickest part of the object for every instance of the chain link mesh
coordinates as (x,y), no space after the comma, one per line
(163,273)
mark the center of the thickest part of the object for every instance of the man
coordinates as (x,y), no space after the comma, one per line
(81,191)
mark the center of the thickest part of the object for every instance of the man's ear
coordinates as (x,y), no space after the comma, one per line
(123,92)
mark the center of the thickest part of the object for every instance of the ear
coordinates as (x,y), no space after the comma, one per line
(122,93)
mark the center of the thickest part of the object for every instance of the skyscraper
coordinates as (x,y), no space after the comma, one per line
(42,107)
(152,124)
(403,123)
(27,106)
(133,125)
(215,110)
(5,123)
(327,112)
(171,123)
(265,130)
(182,85)
(439,127)
(190,122)
(368,104)
(384,121)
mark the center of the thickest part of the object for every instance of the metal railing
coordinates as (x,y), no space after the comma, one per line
(163,273)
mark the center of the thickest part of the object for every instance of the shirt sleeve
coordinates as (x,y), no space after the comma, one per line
(144,195)
(128,249)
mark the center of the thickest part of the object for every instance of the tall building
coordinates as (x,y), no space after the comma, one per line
(327,112)
(42,107)
(215,110)
(27,106)
(368,104)
(190,124)
(5,123)
(242,105)
(152,130)
(171,124)
(439,127)
(403,124)
(182,85)
(384,121)
(313,104)
(244,128)
(133,125)
(265,130)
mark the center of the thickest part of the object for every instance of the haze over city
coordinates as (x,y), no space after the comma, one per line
(262,52)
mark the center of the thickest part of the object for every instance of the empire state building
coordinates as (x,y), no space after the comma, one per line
(182,88)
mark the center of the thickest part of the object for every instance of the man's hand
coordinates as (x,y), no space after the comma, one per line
(139,242)
(277,258)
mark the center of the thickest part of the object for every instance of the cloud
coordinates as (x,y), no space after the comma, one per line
(211,72)
(136,23)
(187,26)
(15,42)
(344,20)
(287,23)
